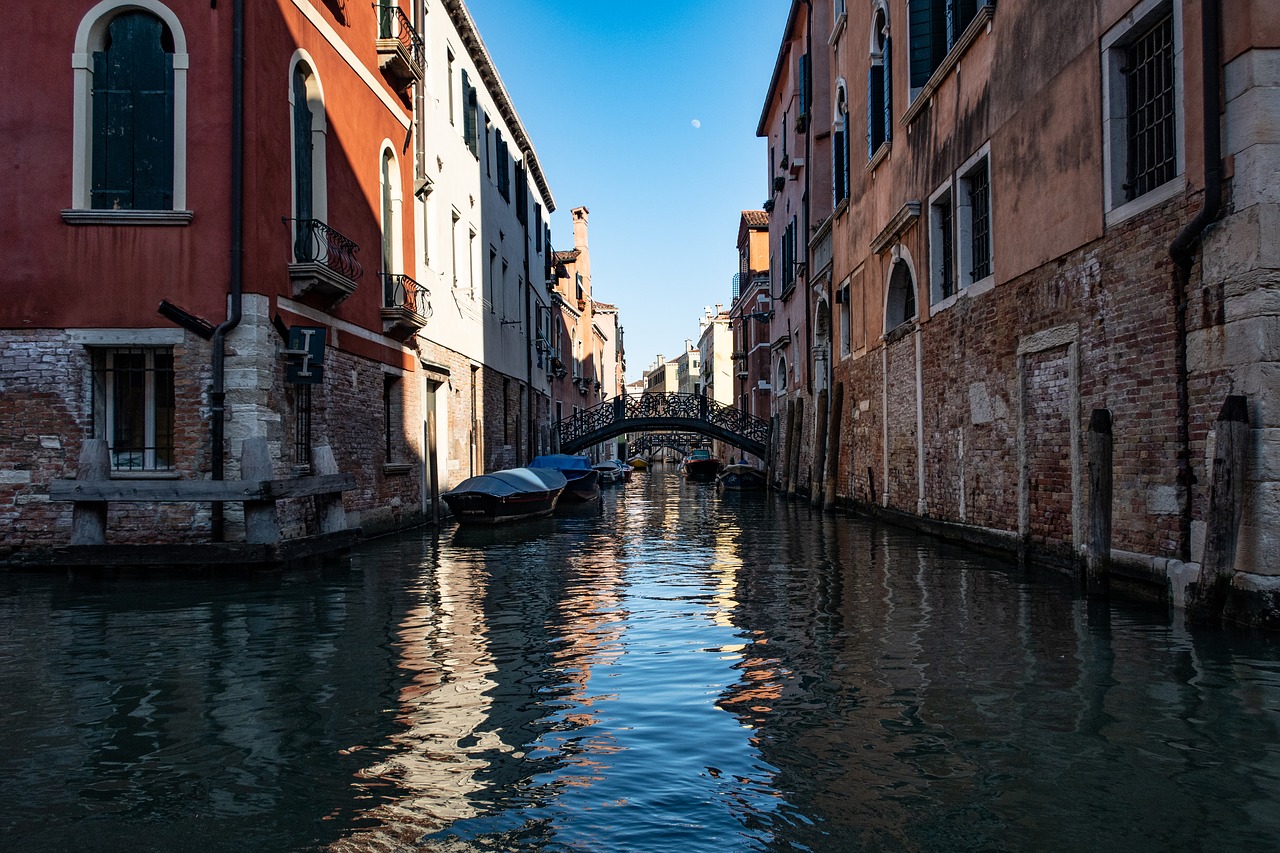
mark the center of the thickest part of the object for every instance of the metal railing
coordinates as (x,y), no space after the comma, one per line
(393,23)
(401,291)
(315,242)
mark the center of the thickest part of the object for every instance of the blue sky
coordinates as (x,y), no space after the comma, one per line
(610,93)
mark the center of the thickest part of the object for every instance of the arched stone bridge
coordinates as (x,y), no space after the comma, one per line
(664,412)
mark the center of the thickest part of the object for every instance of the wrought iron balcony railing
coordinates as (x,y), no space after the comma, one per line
(406,57)
(315,242)
(401,291)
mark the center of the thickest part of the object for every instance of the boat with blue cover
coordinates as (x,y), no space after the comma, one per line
(583,480)
(510,495)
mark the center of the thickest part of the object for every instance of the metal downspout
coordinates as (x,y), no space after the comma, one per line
(1182,249)
(217,390)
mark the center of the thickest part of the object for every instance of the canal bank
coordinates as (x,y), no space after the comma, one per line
(681,670)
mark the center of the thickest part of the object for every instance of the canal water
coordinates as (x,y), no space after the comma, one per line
(675,671)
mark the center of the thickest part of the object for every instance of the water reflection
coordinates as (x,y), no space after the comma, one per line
(672,671)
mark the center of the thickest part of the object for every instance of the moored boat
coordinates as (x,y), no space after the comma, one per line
(583,480)
(610,472)
(638,463)
(700,465)
(741,477)
(511,495)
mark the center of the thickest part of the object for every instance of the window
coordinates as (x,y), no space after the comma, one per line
(393,417)
(840,146)
(302,425)
(973,210)
(935,28)
(942,272)
(803,74)
(391,208)
(522,194)
(130,68)
(133,406)
(504,166)
(470,116)
(537,226)
(842,300)
(900,303)
(879,86)
(453,247)
(471,263)
(449,62)
(780,379)
(308,128)
(1142,59)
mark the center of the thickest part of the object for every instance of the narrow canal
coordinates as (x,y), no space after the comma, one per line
(678,671)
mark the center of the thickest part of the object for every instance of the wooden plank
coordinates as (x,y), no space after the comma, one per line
(820,447)
(197,491)
(305,487)
(165,491)
(89,521)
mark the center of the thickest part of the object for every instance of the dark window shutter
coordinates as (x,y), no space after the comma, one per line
(875,109)
(837,167)
(804,85)
(470,132)
(888,90)
(133,117)
(303,154)
(921,34)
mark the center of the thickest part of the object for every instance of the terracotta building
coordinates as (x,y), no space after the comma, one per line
(207,193)
(1043,215)
(751,317)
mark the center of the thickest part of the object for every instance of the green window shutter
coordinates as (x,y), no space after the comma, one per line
(133,117)
(804,84)
(920,31)
(875,109)
(303,154)
(470,131)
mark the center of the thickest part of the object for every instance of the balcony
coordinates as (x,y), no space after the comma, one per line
(406,306)
(324,261)
(400,51)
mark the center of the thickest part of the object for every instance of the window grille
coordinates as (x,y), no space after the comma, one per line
(302,426)
(133,404)
(1151,126)
(946,225)
(980,206)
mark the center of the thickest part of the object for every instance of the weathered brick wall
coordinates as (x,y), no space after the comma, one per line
(46,411)
(1116,297)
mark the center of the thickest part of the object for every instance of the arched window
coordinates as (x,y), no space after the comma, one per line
(130,64)
(900,304)
(780,379)
(840,153)
(310,203)
(879,84)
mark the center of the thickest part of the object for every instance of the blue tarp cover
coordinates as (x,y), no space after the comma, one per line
(512,482)
(561,462)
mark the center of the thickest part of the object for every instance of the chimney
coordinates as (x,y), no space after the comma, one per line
(580,215)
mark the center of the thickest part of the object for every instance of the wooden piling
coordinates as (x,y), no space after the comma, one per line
(793,463)
(788,447)
(1098,555)
(1207,597)
(329,509)
(261,522)
(820,447)
(89,520)
(833,449)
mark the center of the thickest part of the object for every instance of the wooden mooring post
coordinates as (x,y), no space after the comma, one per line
(820,447)
(793,461)
(89,520)
(833,450)
(1207,597)
(1098,553)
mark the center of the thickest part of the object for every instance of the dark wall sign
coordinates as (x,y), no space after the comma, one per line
(307,367)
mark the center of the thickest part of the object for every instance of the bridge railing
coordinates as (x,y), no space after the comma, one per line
(690,407)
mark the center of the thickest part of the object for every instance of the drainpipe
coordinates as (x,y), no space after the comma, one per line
(1182,249)
(217,390)
(808,174)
